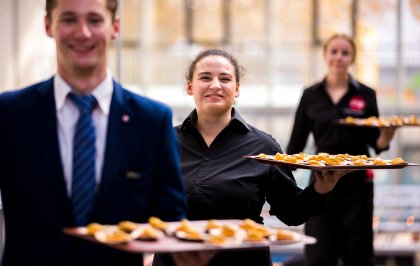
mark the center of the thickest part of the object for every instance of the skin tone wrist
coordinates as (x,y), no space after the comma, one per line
(385,137)
(326,180)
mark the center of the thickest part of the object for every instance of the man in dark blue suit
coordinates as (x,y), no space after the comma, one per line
(136,159)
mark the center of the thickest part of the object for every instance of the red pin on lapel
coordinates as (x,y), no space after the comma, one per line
(125,118)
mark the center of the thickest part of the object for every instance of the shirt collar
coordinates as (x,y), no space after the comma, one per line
(237,120)
(102,93)
(353,84)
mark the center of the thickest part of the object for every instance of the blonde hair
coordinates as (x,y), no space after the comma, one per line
(347,38)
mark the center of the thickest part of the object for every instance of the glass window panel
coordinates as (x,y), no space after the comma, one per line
(248,21)
(411,38)
(207,21)
(129,34)
(334,16)
(170,22)
(376,62)
(292,22)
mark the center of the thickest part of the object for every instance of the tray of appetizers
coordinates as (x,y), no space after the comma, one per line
(158,236)
(381,122)
(325,161)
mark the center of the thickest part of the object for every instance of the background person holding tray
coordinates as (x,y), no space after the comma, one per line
(344,229)
(79,148)
(220,182)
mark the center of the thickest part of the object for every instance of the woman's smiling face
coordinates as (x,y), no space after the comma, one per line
(213,85)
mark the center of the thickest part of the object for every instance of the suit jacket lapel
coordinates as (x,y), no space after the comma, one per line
(119,126)
(45,114)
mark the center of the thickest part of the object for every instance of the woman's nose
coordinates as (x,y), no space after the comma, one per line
(215,83)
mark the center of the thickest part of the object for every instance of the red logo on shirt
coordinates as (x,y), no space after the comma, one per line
(357,103)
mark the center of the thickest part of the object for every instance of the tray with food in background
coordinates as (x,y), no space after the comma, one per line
(325,161)
(381,122)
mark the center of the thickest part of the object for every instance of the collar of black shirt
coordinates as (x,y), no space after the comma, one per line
(236,121)
(353,84)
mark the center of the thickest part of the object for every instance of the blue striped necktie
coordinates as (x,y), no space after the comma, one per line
(84,150)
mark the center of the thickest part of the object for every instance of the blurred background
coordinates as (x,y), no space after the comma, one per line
(278,42)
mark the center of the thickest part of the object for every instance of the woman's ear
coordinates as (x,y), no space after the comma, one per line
(188,88)
(237,92)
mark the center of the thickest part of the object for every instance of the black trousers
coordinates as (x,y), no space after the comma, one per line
(248,257)
(344,229)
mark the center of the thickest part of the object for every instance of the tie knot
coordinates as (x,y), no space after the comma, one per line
(85,103)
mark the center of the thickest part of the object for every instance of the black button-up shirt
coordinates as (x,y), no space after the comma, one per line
(317,113)
(221,184)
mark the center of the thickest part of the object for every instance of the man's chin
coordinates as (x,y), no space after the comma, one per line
(84,69)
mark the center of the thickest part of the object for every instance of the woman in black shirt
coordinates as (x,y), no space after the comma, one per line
(220,183)
(344,229)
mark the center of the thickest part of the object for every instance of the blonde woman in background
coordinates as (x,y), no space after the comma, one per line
(344,229)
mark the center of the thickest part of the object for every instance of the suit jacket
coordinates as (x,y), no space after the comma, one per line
(141,177)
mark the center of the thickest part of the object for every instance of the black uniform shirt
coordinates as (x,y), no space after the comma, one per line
(221,184)
(316,113)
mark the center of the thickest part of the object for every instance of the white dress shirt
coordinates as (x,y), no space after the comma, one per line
(67,116)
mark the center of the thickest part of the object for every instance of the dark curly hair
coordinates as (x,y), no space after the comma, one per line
(218,52)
